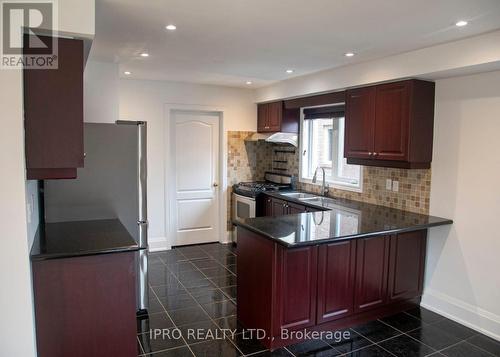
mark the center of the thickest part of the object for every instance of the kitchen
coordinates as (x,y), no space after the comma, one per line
(169,208)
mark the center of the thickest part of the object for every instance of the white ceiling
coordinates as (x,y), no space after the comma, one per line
(229,42)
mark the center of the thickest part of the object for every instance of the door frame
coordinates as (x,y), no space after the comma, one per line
(169,169)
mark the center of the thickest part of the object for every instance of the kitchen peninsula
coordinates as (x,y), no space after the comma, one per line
(338,264)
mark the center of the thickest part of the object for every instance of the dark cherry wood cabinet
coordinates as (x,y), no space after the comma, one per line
(53,115)
(360,126)
(336,273)
(294,208)
(326,286)
(372,261)
(273,117)
(275,207)
(406,265)
(85,306)
(296,287)
(391,121)
(278,207)
(390,125)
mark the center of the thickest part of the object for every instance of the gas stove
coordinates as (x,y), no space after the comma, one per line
(273,182)
(252,189)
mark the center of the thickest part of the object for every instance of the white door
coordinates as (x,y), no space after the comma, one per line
(195,158)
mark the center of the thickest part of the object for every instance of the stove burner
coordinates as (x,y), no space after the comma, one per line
(252,189)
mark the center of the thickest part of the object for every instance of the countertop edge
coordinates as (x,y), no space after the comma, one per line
(40,257)
(343,238)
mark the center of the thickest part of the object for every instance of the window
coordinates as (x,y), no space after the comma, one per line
(322,144)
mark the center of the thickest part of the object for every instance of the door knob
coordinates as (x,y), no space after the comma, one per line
(215,184)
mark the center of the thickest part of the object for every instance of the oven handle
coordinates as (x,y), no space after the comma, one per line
(244,198)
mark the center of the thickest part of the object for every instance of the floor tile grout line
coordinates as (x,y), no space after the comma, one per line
(413,338)
(173,322)
(482,349)
(210,317)
(216,324)
(461,341)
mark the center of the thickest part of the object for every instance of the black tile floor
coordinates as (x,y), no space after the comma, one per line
(194,289)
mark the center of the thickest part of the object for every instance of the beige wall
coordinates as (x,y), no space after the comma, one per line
(463,262)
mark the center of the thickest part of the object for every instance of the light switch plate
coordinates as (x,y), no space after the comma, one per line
(395,186)
(388,184)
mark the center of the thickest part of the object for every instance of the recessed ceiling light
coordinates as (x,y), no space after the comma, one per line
(127,73)
(461,23)
(289,71)
(349,54)
(144,54)
(171,27)
(249,82)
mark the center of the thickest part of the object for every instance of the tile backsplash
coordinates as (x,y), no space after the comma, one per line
(249,160)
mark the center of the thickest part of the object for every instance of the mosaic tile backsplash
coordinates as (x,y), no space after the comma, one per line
(249,160)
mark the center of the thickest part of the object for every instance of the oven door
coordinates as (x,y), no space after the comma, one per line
(243,207)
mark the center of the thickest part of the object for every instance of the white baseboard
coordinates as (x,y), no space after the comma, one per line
(462,312)
(227,238)
(158,244)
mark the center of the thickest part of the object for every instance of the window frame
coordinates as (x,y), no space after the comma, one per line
(334,184)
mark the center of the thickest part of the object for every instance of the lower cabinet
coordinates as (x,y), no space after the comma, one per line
(278,207)
(275,207)
(372,261)
(326,286)
(85,306)
(296,282)
(406,265)
(336,272)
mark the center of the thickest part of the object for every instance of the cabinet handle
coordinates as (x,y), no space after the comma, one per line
(375,154)
(370,154)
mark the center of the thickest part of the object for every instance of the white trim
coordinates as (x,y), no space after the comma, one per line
(462,312)
(228,237)
(158,244)
(333,184)
(168,108)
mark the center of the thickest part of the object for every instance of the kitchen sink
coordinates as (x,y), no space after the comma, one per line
(321,201)
(299,195)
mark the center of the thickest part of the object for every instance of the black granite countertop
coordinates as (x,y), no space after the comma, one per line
(340,219)
(79,238)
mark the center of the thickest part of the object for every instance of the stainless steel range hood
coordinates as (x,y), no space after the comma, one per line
(279,138)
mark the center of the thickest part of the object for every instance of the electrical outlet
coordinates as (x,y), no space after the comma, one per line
(395,186)
(388,184)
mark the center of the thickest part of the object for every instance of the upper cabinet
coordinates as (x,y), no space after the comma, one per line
(390,125)
(53,114)
(273,117)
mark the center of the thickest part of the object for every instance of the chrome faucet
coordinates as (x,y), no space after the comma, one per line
(324,187)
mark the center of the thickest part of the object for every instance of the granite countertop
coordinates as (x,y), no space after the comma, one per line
(79,238)
(340,219)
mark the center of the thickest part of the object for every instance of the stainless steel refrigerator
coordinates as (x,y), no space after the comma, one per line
(111,185)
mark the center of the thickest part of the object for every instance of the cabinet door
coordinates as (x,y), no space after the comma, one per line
(268,206)
(262,117)
(294,208)
(359,123)
(371,273)
(278,207)
(53,112)
(392,117)
(336,269)
(275,115)
(407,265)
(296,293)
